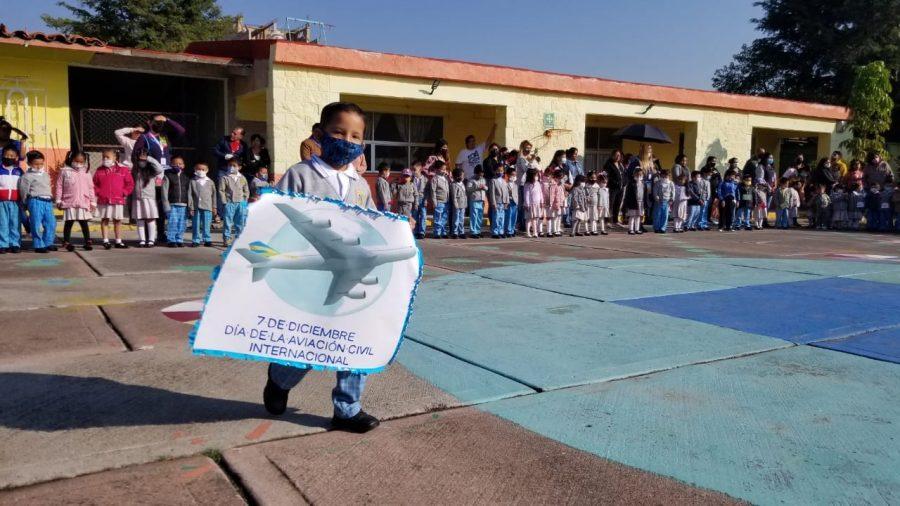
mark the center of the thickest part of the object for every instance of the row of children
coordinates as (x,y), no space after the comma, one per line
(841,209)
(27,199)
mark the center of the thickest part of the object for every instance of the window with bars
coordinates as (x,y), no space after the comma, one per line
(400,139)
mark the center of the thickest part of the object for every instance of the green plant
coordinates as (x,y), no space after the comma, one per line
(871,106)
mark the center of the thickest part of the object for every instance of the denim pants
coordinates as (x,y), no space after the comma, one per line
(660,216)
(175,224)
(693,217)
(345,395)
(419,214)
(873,219)
(441,210)
(781,218)
(704,215)
(235,213)
(512,211)
(10,234)
(885,220)
(476,216)
(43,223)
(200,226)
(743,217)
(458,227)
(498,212)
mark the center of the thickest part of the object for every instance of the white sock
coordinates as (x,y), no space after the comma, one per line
(151,228)
(142,234)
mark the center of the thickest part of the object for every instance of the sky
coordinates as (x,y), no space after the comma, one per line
(670,42)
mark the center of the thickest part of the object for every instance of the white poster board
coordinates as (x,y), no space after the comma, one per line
(313,283)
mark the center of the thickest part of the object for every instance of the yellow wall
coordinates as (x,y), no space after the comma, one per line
(34,94)
(297,94)
(252,106)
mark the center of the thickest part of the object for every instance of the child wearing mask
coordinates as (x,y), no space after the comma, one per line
(602,203)
(112,185)
(477,189)
(856,205)
(458,204)
(634,202)
(579,205)
(747,203)
(694,201)
(405,194)
(533,200)
(727,195)
(822,207)
(592,192)
(383,187)
(36,195)
(761,212)
(873,208)
(438,192)
(10,173)
(782,204)
(798,196)
(175,189)
(259,183)
(498,197)
(75,196)
(512,209)
(556,204)
(143,204)
(839,215)
(680,204)
(234,193)
(202,205)
(420,209)
(663,193)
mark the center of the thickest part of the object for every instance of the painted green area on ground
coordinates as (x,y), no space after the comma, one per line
(792,426)
(703,270)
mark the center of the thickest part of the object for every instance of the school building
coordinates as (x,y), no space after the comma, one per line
(72,91)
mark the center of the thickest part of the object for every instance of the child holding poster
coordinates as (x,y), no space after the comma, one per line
(329,175)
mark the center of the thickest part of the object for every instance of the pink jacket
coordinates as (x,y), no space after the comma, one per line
(534,196)
(113,184)
(557,197)
(75,189)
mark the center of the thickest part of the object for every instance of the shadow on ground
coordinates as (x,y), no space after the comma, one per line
(52,402)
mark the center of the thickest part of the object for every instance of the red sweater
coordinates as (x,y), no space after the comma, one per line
(113,184)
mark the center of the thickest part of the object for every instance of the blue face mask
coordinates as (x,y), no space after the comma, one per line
(338,152)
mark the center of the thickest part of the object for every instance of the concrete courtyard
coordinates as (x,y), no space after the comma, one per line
(660,369)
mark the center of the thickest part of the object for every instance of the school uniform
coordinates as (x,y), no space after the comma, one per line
(458,203)
(839,216)
(579,205)
(112,185)
(679,207)
(257,187)
(885,213)
(663,193)
(498,197)
(477,187)
(175,189)
(383,194)
(593,214)
(233,195)
(727,194)
(873,210)
(315,177)
(782,201)
(406,198)
(420,209)
(634,199)
(694,204)
(202,200)
(10,233)
(856,206)
(510,218)
(34,191)
(746,202)
(603,199)
(706,198)
(438,191)
(143,203)
(533,197)
(822,207)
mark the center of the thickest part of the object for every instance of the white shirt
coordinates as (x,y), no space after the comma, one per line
(339,180)
(127,143)
(469,158)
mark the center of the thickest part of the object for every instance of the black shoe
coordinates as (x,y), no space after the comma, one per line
(121,245)
(52,247)
(171,244)
(179,244)
(106,245)
(195,244)
(495,237)
(275,398)
(15,249)
(604,233)
(69,246)
(454,236)
(40,250)
(3,251)
(88,246)
(362,422)
(631,232)
(208,244)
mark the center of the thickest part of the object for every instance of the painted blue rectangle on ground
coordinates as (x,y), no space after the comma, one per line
(800,312)
(880,345)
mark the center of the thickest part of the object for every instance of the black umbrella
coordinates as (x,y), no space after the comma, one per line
(643,133)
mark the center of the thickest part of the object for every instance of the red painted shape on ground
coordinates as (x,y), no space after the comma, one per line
(198,441)
(196,473)
(258,431)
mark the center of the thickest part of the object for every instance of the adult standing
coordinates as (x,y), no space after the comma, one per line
(440,152)
(680,167)
(310,146)
(492,162)
(232,146)
(127,137)
(572,166)
(837,161)
(823,175)
(156,142)
(257,157)
(615,180)
(473,153)
(6,140)
(877,171)
(643,161)
(524,162)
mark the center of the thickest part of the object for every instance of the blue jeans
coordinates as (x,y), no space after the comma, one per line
(43,223)
(10,235)
(200,226)
(458,227)
(498,212)
(885,220)
(781,218)
(743,217)
(175,224)
(235,213)
(476,216)
(441,210)
(512,211)
(704,215)
(873,219)
(693,217)
(419,214)
(345,395)
(660,216)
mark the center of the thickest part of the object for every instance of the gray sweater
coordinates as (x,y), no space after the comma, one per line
(498,192)
(146,188)
(438,189)
(202,196)
(34,184)
(458,195)
(477,189)
(407,193)
(233,188)
(383,192)
(304,178)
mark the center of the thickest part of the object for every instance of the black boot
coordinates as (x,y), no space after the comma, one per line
(362,422)
(275,398)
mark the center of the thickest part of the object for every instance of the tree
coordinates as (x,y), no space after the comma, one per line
(811,48)
(166,25)
(871,103)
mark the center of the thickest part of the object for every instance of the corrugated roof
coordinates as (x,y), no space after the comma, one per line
(61,38)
